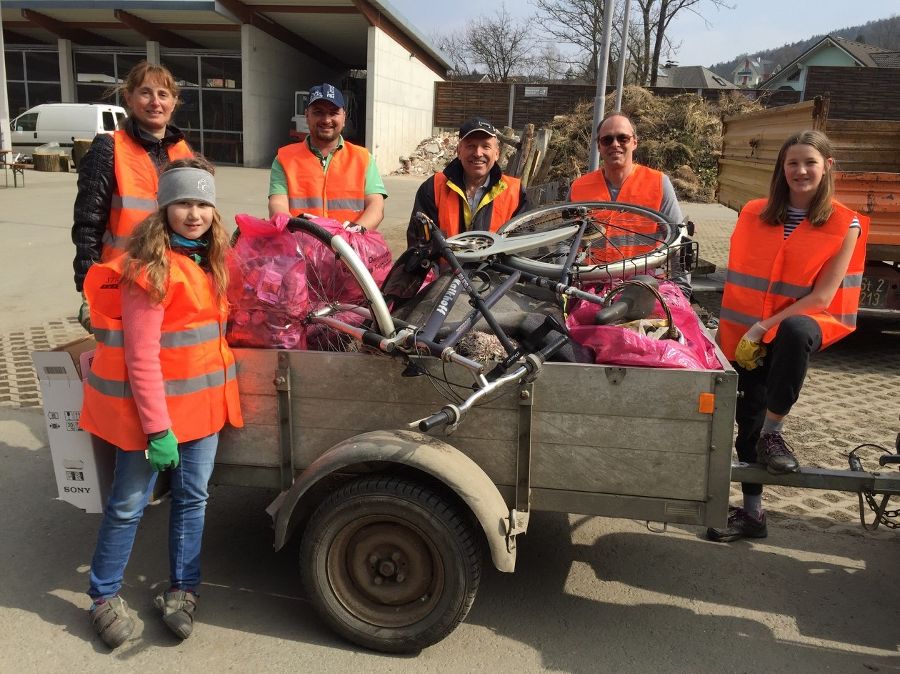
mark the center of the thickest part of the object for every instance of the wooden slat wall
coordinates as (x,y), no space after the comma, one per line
(857,93)
(455,102)
(865,145)
(867,151)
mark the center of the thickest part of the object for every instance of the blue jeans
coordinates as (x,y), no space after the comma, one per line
(132,486)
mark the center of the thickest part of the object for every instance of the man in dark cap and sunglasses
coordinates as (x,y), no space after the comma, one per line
(471,194)
(620,179)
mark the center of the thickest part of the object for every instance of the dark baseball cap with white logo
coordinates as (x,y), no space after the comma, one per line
(477,125)
(326,92)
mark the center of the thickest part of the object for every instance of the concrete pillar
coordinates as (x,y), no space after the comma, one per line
(67,92)
(153,52)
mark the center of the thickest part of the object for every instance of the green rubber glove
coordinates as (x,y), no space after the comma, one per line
(84,314)
(162,450)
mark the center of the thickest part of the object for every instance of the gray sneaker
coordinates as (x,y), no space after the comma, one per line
(178,608)
(772,450)
(112,622)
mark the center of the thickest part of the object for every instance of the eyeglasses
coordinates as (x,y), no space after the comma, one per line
(623,139)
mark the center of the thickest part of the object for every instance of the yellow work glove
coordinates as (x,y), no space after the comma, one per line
(750,351)
(84,314)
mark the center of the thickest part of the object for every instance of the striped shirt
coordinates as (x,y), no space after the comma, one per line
(796,215)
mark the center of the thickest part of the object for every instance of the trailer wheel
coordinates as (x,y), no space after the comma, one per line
(390,564)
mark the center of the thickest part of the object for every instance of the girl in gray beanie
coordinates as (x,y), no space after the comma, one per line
(159,398)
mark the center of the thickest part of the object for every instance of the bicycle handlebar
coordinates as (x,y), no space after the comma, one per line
(450,415)
(447,415)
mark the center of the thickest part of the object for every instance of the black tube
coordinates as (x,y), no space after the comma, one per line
(437,419)
(566,274)
(460,273)
(472,318)
(439,314)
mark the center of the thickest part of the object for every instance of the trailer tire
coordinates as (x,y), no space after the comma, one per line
(390,564)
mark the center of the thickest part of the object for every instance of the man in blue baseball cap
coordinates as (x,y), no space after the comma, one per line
(325,175)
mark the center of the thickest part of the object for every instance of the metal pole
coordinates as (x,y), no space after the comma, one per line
(623,51)
(602,67)
(512,99)
(5,139)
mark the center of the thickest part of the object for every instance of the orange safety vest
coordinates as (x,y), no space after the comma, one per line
(504,196)
(643,187)
(767,272)
(338,193)
(137,183)
(197,365)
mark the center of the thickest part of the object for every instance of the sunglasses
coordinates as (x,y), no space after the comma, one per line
(623,139)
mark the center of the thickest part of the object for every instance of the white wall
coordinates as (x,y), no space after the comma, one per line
(271,72)
(399,100)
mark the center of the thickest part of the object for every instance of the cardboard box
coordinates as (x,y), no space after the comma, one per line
(83,474)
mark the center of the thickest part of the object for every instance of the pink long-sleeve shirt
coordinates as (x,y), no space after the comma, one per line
(142,325)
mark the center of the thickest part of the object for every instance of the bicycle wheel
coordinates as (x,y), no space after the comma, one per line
(620,240)
(339,286)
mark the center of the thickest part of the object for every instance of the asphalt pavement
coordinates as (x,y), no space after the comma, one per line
(589,594)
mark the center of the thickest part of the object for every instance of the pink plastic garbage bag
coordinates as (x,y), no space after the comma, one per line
(615,345)
(267,289)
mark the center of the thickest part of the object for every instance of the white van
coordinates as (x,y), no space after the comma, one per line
(62,123)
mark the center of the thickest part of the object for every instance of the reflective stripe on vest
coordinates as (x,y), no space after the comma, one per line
(187,337)
(634,235)
(339,192)
(504,198)
(136,185)
(198,368)
(790,268)
(173,387)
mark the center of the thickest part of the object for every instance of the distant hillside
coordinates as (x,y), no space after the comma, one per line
(883,33)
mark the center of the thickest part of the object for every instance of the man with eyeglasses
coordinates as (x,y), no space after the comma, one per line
(471,194)
(620,179)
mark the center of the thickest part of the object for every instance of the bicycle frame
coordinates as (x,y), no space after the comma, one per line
(409,340)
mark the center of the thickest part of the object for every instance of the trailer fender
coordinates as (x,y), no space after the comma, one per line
(430,455)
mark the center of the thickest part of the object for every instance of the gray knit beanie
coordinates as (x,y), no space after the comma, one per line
(186,183)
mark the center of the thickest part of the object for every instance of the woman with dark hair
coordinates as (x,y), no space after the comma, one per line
(792,288)
(118,176)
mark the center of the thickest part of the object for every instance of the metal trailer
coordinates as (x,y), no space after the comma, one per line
(393,521)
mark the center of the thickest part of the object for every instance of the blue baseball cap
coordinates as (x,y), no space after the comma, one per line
(326,92)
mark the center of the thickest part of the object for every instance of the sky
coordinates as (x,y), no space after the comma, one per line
(754,25)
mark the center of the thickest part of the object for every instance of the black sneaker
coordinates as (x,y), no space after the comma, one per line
(741,524)
(772,450)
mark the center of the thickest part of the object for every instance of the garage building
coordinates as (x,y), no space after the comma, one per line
(239,63)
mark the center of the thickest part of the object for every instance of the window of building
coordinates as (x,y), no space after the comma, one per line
(99,71)
(32,78)
(211,112)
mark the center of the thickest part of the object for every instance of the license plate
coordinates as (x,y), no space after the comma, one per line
(873,293)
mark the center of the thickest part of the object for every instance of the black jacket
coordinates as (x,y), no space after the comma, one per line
(481,221)
(96,186)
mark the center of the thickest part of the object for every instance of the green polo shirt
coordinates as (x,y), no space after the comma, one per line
(374,183)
